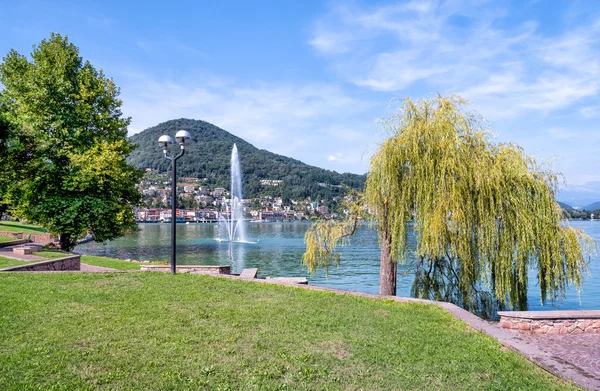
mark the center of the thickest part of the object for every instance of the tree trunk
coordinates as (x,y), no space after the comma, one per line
(66,242)
(387,267)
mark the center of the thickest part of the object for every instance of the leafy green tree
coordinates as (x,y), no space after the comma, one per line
(483,214)
(71,139)
(7,159)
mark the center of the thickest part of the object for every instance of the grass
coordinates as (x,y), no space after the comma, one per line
(4,239)
(154,331)
(9,262)
(16,226)
(50,254)
(114,263)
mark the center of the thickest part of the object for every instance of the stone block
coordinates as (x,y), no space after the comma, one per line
(24,250)
(71,262)
(289,280)
(249,273)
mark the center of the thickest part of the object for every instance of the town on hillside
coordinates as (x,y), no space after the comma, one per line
(199,202)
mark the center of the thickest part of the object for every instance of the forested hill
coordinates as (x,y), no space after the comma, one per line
(208,156)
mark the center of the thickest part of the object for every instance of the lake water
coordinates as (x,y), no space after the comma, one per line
(279,250)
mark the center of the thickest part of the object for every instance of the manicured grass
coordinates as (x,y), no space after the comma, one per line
(114,263)
(154,331)
(50,254)
(9,262)
(15,226)
(4,239)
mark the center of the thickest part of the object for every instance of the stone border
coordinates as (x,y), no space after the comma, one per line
(38,238)
(67,263)
(202,269)
(13,243)
(551,322)
(514,341)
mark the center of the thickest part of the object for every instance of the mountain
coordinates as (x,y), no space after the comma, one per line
(565,206)
(208,155)
(594,206)
(580,195)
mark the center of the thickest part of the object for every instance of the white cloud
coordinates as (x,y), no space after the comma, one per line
(290,119)
(468,47)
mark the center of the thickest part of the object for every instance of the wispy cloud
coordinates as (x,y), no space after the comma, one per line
(466,47)
(286,118)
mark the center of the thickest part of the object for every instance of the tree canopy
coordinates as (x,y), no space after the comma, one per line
(483,213)
(66,144)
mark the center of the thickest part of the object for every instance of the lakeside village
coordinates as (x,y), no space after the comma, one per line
(198,202)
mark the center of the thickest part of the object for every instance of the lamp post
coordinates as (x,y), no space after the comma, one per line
(165,142)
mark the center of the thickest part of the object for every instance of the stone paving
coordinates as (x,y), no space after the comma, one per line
(7,252)
(579,350)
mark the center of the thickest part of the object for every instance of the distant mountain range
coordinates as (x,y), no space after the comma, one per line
(580,196)
(565,206)
(590,207)
(208,155)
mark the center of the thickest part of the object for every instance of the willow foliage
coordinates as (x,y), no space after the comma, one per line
(484,212)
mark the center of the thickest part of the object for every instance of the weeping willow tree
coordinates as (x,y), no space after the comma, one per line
(483,213)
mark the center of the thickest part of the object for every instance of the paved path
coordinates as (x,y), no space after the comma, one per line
(7,252)
(579,350)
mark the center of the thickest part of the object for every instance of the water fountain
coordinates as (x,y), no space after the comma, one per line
(232,226)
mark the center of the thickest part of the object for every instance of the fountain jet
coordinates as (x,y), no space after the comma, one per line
(232,227)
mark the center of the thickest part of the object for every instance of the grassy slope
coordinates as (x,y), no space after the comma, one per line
(109,262)
(49,254)
(114,263)
(154,331)
(4,239)
(9,262)
(15,226)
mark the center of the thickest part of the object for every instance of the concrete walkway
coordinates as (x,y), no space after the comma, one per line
(579,350)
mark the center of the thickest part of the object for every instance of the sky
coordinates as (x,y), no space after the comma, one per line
(312,79)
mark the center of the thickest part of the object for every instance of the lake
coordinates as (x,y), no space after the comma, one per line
(278,253)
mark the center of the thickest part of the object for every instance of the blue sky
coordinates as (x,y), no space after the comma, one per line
(310,79)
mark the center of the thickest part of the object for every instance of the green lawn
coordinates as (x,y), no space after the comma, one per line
(154,331)
(15,226)
(50,254)
(9,262)
(4,239)
(115,263)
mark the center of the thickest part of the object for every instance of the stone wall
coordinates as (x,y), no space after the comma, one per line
(551,322)
(71,262)
(38,238)
(15,242)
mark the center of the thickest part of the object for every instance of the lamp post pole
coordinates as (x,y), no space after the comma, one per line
(165,142)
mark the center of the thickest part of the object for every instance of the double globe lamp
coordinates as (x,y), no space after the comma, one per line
(165,142)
